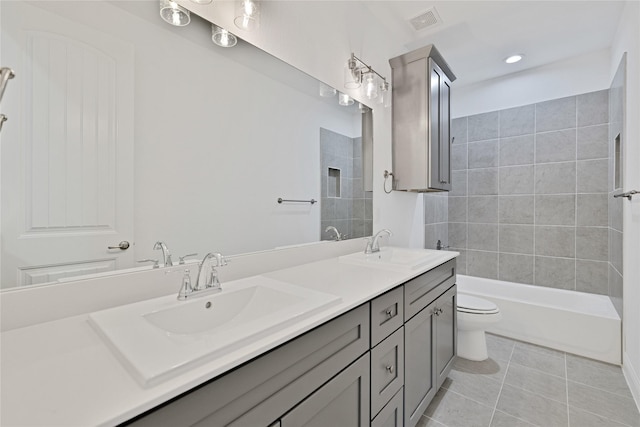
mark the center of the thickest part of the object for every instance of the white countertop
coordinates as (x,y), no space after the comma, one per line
(62,373)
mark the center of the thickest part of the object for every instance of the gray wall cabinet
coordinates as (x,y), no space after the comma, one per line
(380,364)
(421,121)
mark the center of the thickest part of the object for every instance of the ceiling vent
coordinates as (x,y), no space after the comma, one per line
(426,20)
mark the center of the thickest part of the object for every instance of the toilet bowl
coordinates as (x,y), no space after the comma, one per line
(475,315)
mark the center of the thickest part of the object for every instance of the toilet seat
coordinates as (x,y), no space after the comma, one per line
(473,305)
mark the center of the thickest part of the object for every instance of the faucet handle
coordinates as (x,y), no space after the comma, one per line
(154,261)
(221,261)
(181,259)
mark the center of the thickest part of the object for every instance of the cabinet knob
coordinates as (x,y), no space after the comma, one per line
(390,369)
(389,313)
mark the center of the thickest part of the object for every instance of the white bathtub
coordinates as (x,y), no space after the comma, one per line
(575,322)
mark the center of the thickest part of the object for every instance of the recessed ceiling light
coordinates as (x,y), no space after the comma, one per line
(514,58)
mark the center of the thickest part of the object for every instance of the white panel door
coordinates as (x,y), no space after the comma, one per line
(67,149)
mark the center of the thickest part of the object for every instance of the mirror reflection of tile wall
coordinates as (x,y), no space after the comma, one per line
(350,211)
(615,185)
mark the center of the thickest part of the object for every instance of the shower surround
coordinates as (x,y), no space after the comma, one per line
(529,197)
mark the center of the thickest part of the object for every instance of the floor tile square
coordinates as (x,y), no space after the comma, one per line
(455,410)
(534,381)
(532,408)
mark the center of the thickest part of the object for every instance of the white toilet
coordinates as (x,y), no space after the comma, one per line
(475,315)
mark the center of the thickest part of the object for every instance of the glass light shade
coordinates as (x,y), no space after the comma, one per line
(327,91)
(201,1)
(388,97)
(247,15)
(174,14)
(352,78)
(370,85)
(345,100)
(222,37)
(384,94)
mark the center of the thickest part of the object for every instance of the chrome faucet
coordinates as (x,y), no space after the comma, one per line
(166,255)
(211,281)
(335,230)
(372,243)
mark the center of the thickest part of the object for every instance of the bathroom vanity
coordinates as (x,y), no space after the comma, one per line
(347,372)
(375,358)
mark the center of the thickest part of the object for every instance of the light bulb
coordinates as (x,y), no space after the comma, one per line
(345,100)
(370,88)
(174,14)
(249,7)
(247,15)
(222,37)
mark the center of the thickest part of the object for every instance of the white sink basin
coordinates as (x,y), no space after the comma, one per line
(159,338)
(395,258)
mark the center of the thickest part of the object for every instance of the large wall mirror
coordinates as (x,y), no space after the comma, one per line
(124,128)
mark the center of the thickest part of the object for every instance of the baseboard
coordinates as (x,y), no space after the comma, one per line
(633,380)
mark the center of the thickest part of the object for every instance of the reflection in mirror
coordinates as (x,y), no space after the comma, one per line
(142,132)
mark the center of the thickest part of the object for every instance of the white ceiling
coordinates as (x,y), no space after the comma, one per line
(476,36)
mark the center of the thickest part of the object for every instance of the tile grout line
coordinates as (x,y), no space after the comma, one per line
(495,406)
(575,231)
(533,224)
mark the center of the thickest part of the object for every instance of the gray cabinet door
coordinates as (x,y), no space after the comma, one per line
(392,414)
(439,128)
(446,334)
(343,401)
(419,381)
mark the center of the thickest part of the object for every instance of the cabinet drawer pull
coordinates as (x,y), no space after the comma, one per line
(390,369)
(389,313)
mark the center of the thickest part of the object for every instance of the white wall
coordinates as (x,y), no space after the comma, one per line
(628,40)
(573,76)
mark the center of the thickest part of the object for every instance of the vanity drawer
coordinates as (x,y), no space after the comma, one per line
(392,414)
(424,289)
(386,315)
(387,370)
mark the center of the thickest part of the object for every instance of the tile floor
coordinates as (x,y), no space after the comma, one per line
(524,385)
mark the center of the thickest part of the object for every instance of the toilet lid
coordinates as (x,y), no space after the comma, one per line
(470,304)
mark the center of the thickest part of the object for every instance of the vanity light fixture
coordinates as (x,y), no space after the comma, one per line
(247,15)
(357,73)
(174,14)
(222,37)
(344,99)
(514,58)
